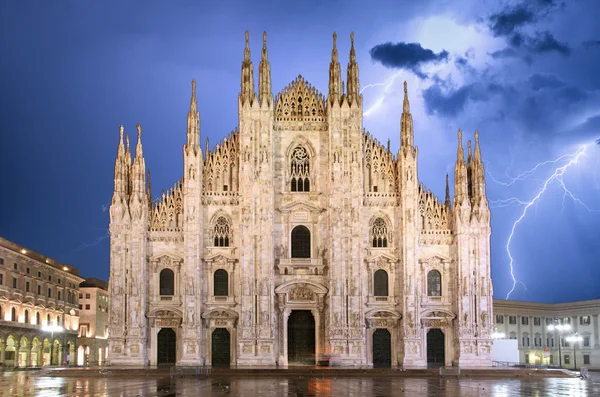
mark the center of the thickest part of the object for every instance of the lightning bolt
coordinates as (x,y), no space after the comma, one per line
(556,176)
(386,87)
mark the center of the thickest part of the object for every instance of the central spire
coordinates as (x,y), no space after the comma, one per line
(247,90)
(193,123)
(264,76)
(335,79)
(406,124)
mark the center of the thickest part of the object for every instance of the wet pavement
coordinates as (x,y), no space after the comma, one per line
(31,383)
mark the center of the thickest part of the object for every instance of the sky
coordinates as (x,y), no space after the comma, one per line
(524,73)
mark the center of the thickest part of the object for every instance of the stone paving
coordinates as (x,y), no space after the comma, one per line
(30,383)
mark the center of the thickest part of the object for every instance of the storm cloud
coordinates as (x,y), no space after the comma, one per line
(453,102)
(408,56)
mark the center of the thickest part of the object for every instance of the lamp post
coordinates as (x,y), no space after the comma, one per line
(557,326)
(574,339)
(52,329)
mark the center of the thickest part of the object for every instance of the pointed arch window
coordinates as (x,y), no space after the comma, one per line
(221,283)
(221,232)
(300,242)
(379,233)
(167,282)
(434,283)
(300,170)
(380,282)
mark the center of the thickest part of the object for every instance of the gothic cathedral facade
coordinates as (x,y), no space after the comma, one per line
(299,238)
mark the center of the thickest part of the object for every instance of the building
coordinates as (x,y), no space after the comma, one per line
(36,292)
(92,339)
(529,322)
(299,236)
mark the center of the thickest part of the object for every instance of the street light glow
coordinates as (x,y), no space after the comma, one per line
(559,327)
(52,328)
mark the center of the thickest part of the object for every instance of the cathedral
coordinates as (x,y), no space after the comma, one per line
(299,239)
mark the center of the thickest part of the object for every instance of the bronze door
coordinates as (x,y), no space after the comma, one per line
(435,347)
(167,346)
(382,348)
(221,348)
(301,337)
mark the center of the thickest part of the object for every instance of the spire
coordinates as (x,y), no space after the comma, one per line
(469,169)
(353,84)
(460,174)
(206,146)
(149,193)
(138,170)
(447,191)
(264,76)
(247,93)
(478,172)
(120,188)
(138,147)
(193,123)
(335,80)
(406,124)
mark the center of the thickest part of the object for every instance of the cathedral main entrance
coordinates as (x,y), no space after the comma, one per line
(436,347)
(301,338)
(167,346)
(382,348)
(221,345)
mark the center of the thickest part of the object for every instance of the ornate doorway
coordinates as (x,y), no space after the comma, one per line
(167,346)
(436,347)
(221,345)
(301,337)
(382,348)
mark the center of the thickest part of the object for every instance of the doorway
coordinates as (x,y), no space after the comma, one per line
(436,347)
(382,348)
(301,337)
(167,346)
(221,348)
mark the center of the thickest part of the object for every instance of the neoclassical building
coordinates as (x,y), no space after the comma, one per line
(298,237)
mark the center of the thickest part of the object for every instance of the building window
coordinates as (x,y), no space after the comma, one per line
(40,274)
(586,341)
(80,296)
(49,292)
(512,320)
(1,261)
(87,307)
(49,278)
(221,232)
(59,280)
(300,242)
(48,319)
(26,316)
(300,170)
(379,233)
(80,307)
(221,283)
(381,283)
(434,283)
(567,359)
(167,282)
(26,286)
(14,282)
(87,296)
(586,359)
(548,321)
(525,340)
(15,266)
(39,289)
(513,335)
(58,297)
(13,314)
(549,341)
(1,279)
(566,320)
(524,320)
(584,320)
(38,319)
(27,270)
(499,319)
(537,321)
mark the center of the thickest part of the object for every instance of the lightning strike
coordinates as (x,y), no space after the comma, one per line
(386,87)
(557,176)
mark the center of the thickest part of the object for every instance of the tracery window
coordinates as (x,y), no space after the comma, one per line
(167,282)
(380,282)
(300,170)
(434,283)
(221,283)
(300,242)
(379,233)
(221,232)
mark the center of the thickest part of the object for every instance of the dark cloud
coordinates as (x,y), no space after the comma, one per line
(409,56)
(454,101)
(541,81)
(545,42)
(508,20)
(591,43)
(507,52)
(588,129)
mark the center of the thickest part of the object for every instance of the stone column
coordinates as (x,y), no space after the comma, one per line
(596,336)
(2,350)
(17,352)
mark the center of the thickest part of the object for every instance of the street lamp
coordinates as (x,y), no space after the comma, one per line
(52,329)
(557,326)
(574,339)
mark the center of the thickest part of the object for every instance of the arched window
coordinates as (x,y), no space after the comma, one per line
(58,320)
(48,319)
(221,283)
(379,233)
(221,232)
(300,242)
(38,319)
(380,283)
(167,282)
(26,317)
(300,170)
(434,283)
(13,314)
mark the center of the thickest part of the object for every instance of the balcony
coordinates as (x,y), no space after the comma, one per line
(228,300)
(379,301)
(301,266)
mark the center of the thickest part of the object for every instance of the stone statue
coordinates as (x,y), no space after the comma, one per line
(134,316)
(190,287)
(191,317)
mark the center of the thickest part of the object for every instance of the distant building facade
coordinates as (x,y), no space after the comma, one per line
(528,323)
(93,322)
(300,236)
(35,292)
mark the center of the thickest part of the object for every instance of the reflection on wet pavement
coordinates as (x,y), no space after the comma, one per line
(36,384)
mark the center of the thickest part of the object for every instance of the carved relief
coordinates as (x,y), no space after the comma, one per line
(301,294)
